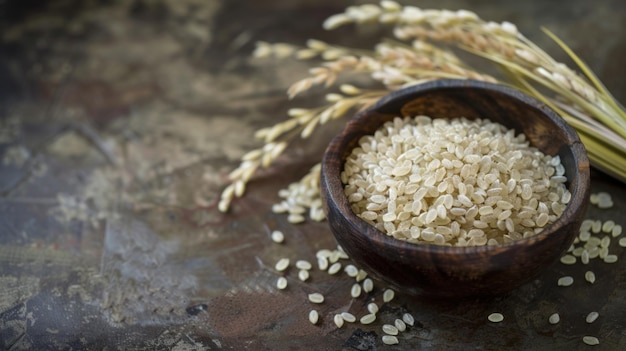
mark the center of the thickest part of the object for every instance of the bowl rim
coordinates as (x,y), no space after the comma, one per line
(579,197)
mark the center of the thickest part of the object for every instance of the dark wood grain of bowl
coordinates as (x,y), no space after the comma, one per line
(442,271)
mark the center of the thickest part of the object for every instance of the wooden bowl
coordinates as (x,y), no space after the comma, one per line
(429,269)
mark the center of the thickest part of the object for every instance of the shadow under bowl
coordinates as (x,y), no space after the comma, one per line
(445,271)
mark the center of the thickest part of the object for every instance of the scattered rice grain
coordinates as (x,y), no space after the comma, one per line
(281,283)
(351,270)
(408,319)
(356,290)
(591,317)
(368,285)
(565,281)
(610,258)
(590,277)
(554,318)
(278,236)
(348,317)
(338,320)
(334,268)
(316,298)
(372,308)
(584,257)
(390,340)
(608,226)
(303,275)
(282,264)
(568,259)
(591,340)
(390,329)
(400,325)
(388,295)
(313,316)
(322,263)
(495,317)
(541,192)
(368,318)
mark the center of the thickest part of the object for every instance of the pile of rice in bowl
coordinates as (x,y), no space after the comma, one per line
(455,182)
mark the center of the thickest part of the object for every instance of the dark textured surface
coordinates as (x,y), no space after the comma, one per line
(120,121)
(439,270)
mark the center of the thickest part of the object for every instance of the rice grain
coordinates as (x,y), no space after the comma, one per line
(554,318)
(277,236)
(495,317)
(368,285)
(408,319)
(282,264)
(390,329)
(356,290)
(281,283)
(316,298)
(591,340)
(388,295)
(466,184)
(348,317)
(591,317)
(390,340)
(303,275)
(400,325)
(314,316)
(590,277)
(334,268)
(565,281)
(338,320)
(368,318)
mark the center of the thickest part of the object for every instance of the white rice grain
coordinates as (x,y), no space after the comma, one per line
(277,236)
(368,318)
(610,258)
(388,295)
(565,281)
(496,317)
(368,285)
(281,283)
(568,259)
(372,308)
(390,340)
(348,317)
(356,290)
(591,317)
(408,319)
(590,277)
(390,329)
(338,320)
(591,340)
(400,325)
(554,318)
(314,316)
(334,268)
(303,264)
(316,298)
(466,185)
(303,275)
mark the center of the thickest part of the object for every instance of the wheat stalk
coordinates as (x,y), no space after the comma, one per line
(420,53)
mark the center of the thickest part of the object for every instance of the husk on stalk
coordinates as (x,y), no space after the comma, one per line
(419,53)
